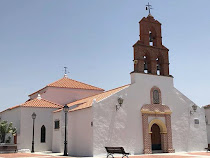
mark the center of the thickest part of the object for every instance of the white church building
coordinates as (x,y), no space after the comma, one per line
(147,115)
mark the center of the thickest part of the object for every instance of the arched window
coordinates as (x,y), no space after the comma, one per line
(156,99)
(155,95)
(43,134)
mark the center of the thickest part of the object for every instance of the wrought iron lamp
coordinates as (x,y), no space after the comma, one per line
(120,101)
(33,117)
(65,109)
(194,107)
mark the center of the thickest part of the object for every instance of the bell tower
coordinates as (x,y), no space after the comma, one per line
(150,56)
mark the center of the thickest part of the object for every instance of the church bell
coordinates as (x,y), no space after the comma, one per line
(145,66)
(150,37)
(158,66)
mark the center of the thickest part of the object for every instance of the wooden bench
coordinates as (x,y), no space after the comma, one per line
(208,149)
(116,150)
(8,148)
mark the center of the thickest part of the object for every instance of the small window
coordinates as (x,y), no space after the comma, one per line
(196,121)
(57,124)
(155,95)
(43,134)
(206,120)
(156,99)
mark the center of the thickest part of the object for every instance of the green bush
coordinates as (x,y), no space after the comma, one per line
(5,129)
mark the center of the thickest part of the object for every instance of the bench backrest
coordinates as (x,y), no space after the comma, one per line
(117,150)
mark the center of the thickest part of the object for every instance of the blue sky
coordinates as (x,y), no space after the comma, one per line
(94,39)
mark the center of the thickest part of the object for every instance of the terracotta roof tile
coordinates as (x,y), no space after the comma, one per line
(69,83)
(206,106)
(66,82)
(11,108)
(87,102)
(36,103)
(40,103)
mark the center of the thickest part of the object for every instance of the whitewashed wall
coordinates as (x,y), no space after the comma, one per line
(58,134)
(124,127)
(80,133)
(43,117)
(207,114)
(64,95)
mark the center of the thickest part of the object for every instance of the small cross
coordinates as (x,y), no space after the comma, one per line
(148,7)
(65,69)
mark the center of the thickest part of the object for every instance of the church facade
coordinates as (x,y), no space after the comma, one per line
(154,115)
(147,115)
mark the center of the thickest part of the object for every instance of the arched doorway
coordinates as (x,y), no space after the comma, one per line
(156,137)
(162,114)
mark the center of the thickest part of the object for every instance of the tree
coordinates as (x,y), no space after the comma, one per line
(5,129)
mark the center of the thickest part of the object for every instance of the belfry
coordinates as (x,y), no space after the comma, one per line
(150,56)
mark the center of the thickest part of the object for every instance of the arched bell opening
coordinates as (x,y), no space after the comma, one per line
(159,65)
(147,65)
(152,37)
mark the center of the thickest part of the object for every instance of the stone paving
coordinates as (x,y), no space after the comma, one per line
(54,155)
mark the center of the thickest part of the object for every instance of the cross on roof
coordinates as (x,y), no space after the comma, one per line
(148,7)
(65,69)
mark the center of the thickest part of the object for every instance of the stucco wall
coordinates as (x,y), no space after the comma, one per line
(43,117)
(124,127)
(187,136)
(207,114)
(80,133)
(64,95)
(58,134)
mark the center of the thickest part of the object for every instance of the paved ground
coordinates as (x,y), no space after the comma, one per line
(52,155)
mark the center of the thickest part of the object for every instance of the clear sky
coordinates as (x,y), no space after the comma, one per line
(94,39)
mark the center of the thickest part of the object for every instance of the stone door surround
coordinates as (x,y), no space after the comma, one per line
(157,110)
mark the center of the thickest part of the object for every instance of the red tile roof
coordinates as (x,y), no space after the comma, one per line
(40,103)
(69,83)
(206,106)
(87,102)
(66,82)
(37,103)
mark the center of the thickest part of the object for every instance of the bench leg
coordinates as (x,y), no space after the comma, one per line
(109,155)
(125,156)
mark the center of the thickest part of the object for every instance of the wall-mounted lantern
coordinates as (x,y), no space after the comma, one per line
(135,61)
(194,107)
(120,101)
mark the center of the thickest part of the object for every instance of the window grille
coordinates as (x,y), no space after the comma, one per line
(156,99)
(57,124)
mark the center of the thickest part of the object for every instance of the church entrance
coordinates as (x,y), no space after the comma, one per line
(156,137)
(157,133)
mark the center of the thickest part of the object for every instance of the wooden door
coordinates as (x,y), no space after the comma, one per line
(156,137)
